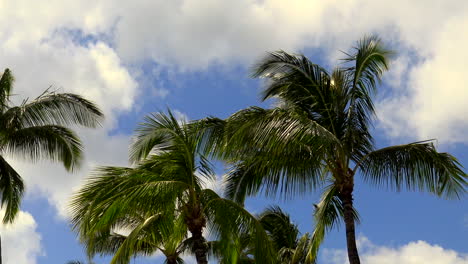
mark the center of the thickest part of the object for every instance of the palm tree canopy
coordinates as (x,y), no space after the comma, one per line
(318,133)
(167,180)
(321,127)
(37,129)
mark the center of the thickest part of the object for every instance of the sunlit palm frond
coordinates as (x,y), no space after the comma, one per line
(278,224)
(158,132)
(292,77)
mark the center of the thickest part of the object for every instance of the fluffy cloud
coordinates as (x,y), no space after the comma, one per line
(21,243)
(49,45)
(434,103)
(419,252)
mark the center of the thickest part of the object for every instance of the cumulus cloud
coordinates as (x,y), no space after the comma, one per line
(419,252)
(434,103)
(48,45)
(21,243)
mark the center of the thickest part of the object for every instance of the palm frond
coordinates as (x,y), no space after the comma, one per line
(278,224)
(228,220)
(369,62)
(52,142)
(52,108)
(415,166)
(113,191)
(158,132)
(136,242)
(11,189)
(327,215)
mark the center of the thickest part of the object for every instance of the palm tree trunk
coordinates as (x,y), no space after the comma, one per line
(171,260)
(347,199)
(199,246)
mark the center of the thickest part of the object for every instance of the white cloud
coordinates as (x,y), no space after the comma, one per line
(419,252)
(21,243)
(434,105)
(92,70)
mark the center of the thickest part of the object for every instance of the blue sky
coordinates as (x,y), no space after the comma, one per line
(193,56)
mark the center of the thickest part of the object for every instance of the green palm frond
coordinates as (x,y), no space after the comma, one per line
(11,189)
(256,137)
(294,78)
(55,108)
(108,196)
(229,220)
(52,142)
(278,224)
(415,166)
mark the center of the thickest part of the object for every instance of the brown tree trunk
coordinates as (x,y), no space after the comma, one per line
(196,222)
(346,198)
(171,259)
(199,246)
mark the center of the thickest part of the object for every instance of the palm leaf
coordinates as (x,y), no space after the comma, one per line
(415,166)
(11,189)
(56,143)
(327,215)
(229,220)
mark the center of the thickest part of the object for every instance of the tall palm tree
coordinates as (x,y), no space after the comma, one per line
(318,134)
(37,130)
(167,180)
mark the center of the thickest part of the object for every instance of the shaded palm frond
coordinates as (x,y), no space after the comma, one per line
(327,215)
(53,109)
(52,142)
(11,189)
(415,166)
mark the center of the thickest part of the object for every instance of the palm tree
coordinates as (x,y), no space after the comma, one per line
(148,234)
(319,133)
(36,130)
(289,247)
(166,182)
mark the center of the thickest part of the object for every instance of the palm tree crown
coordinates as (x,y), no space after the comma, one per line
(37,130)
(319,134)
(165,184)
